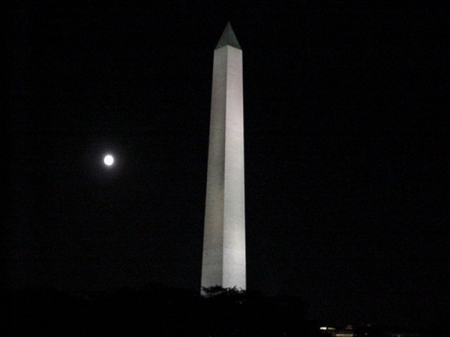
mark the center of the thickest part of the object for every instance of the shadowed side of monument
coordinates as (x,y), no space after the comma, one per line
(224,262)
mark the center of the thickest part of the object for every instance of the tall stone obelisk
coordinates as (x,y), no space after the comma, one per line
(224,234)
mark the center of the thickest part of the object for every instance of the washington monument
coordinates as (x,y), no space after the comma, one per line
(224,234)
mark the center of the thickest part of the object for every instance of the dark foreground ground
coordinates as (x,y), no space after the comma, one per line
(156,310)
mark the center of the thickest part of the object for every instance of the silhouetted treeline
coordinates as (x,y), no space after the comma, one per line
(155,310)
(400,331)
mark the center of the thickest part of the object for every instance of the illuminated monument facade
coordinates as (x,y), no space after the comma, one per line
(224,234)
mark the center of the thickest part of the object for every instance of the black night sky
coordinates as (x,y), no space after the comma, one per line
(346,150)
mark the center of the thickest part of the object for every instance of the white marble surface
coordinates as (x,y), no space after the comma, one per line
(224,261)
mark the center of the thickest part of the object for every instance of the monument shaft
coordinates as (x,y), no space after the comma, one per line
(224,261)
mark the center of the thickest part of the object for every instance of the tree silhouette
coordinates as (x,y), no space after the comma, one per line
(154,310)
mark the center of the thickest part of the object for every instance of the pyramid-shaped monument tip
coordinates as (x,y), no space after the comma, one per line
(228,38)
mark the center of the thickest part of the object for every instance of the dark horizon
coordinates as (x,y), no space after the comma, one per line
(346,151)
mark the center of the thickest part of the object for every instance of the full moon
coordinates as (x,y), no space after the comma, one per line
(108,160)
